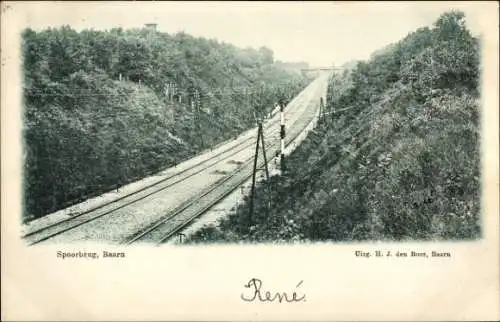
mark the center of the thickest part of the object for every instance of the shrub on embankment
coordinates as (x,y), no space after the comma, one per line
(399,160)
(100,107)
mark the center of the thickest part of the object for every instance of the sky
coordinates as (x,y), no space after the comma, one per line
(320,33)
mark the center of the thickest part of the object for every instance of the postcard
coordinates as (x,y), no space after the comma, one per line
(249,161)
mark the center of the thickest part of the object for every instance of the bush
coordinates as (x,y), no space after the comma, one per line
(400,160)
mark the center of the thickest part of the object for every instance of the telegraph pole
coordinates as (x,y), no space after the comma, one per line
(173,90)
(282,135)
(259,115)
(198,110)
(195,108)
(333,112)
(321,110)
(260,138)
(432,82)
(167,90)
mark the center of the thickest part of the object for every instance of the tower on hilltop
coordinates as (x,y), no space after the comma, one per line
(151,26)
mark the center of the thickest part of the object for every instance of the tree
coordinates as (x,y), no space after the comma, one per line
(267,54)
(88,129)
(451,25)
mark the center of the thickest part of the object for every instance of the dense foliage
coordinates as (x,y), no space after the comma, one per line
(398,160)
(105,107)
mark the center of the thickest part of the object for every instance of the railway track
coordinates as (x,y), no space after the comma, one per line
(84,217)
(94,213)
(233,148)
(170,224)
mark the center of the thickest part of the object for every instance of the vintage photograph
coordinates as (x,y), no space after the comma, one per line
(168,131)
(249,161)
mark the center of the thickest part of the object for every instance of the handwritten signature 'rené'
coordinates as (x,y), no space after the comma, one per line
(267,296)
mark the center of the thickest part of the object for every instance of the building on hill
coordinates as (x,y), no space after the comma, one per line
(151,26)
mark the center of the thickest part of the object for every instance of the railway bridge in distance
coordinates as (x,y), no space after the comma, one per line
(314,72)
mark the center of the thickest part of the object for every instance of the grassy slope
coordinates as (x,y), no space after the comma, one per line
(401,162)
